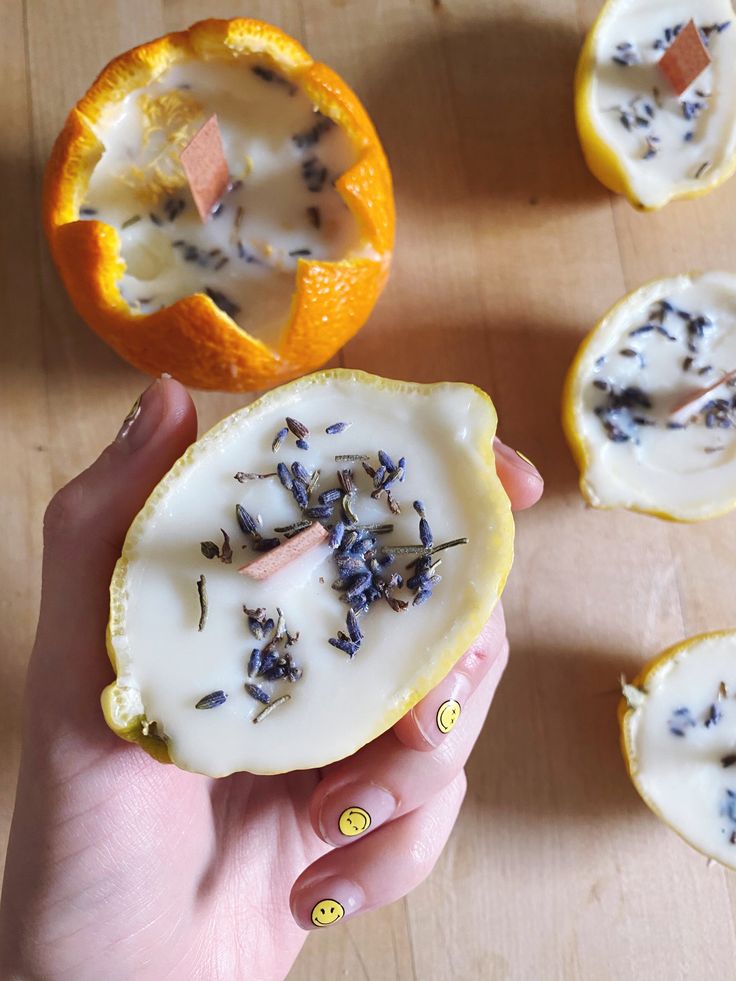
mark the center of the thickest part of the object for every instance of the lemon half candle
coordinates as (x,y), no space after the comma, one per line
(222,668)
(639,136)
(650,400)
(678,725)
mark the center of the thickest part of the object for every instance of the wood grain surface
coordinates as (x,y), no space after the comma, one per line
(508,251)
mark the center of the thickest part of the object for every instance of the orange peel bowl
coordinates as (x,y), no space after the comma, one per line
(193,339)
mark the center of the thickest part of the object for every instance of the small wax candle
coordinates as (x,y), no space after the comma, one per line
(642,137)
(650,400)
(281,204)
(391,538)
(678,722)
(220,207)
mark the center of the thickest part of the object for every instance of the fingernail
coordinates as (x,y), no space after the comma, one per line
(514,457)
(143,418)
(350,811)
(437,714)
(325,902)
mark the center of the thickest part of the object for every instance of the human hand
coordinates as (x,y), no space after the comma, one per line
(121,868)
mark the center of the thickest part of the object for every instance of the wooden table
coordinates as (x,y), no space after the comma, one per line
(508,251)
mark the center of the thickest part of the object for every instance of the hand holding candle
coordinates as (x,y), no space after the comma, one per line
(202,850)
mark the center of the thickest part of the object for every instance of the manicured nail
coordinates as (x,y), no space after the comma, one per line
(514,457)
(438,713)
(350,811)
(143,418)
(325,902)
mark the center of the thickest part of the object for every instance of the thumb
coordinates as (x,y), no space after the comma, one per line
(84,529)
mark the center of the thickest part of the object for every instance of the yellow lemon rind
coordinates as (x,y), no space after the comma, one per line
(627,714)
(500,556)
(573,430)
(602,160)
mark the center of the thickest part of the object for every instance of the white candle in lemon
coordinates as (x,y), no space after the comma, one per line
(679,728)
(283,158)
(339,644)
(667,144)
(637,445)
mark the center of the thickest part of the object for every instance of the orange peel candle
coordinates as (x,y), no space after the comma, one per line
(292,257)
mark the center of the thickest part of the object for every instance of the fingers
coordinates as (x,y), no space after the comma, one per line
(428,723)
(520,478)
(386,779)
(380,868)
(84,529)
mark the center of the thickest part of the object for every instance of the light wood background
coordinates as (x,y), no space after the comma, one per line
(508,250)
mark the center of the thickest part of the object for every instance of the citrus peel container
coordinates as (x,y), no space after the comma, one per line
(639,136)
(291,261)
(649,403)
(678,736)
(306,573)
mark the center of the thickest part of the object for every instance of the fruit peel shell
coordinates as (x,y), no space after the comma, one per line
(129,728)
(193,339)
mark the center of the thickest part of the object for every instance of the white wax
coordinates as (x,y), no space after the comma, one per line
(688,472)
(684,735)
(339,704)
(263,222)
(634,103)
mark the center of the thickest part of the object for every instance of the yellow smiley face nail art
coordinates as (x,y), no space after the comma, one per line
(354,821)
(327,911)
(447,714)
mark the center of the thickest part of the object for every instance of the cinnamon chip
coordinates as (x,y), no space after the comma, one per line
(203,160)
(685,58)
(289,551)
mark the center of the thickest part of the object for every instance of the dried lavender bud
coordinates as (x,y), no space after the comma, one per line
(258,693)
(256,627)
(319,512)
(299,490)
(210,550)
(337,427)
(358,586)
(425,533)
(354,630)
(279,439)
(284,476)
(713,717)
(297,428)
(246,522)
(336,535)
(419,508)
(330,496)
(346,646)
(212,700)
(386,460)
(422,597)
(302,444)
(369,470)
(266,544)
(254,663)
